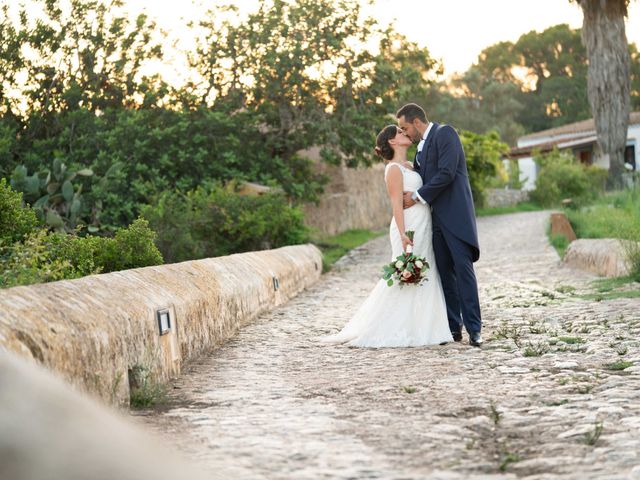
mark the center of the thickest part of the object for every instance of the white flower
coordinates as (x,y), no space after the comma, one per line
(399,264)
(419,264)
(406,274)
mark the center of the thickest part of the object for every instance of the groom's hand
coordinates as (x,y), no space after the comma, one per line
(407,201)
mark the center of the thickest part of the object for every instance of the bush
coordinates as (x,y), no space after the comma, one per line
(483,154)
(47,257)
(560,178)
(16,220)
(132,247)
(216,221)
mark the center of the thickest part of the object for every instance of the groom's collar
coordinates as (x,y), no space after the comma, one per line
(426,132)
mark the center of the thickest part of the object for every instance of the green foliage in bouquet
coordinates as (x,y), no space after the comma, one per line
(407,268)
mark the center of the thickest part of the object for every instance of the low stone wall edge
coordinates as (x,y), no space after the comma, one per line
(98,331)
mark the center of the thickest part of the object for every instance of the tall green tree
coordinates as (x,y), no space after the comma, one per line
(603,32)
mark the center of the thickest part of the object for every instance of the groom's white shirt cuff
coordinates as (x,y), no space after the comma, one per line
(415,196)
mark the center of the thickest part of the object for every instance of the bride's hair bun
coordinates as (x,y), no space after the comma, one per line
(383,148)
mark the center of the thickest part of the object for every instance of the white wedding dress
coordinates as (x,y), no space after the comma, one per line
(407,316)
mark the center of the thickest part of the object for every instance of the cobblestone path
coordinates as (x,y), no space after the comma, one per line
(541,400)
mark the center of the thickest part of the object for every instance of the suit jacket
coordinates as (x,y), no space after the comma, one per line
(443,168)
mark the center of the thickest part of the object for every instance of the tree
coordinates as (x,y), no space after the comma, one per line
(608,81)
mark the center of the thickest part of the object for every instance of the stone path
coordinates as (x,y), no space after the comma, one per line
(538,401)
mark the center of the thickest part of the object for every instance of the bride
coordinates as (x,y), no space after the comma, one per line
(409,315)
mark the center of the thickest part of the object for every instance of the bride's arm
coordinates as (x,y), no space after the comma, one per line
(394,189)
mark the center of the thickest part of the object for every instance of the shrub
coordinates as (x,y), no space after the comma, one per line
(215,221)
(483,154)
(47,257)
(16,220)
(32,261)
(132,247)
(560,177)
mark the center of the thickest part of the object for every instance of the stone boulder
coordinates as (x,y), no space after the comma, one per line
(603,256)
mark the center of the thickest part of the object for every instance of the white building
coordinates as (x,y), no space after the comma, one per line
(580,138)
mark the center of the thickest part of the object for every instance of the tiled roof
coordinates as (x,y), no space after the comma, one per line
(577,127)
(574,141)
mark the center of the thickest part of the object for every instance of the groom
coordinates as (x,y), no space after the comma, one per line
(442,165)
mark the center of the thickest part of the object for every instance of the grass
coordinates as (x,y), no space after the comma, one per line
(571,340)
(619,365)
(535,349)
(604,285)
(560,243)
(613,215)
(598,297)
(338,245)
(521,207)
(144,391)
(508,458)
(591,438)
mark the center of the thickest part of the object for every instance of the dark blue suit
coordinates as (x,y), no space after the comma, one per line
(443,168)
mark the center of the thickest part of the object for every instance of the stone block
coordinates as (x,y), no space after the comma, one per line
(603,256)
(560,226)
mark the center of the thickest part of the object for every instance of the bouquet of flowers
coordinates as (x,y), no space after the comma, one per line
(406,268)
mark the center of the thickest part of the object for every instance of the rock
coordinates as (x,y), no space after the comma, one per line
(560,226)
(565,365)
(602,256)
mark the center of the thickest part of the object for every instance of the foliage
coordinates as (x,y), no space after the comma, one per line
(146,391)
(560,177)
(615,215)
(290,77)
(132,247)
(33,261)
(86,55)
(213,221)
(16,221)
(484,158)
(50,256)
(56,201)
(560,243)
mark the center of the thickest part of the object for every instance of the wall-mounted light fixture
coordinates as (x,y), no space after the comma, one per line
(164,321)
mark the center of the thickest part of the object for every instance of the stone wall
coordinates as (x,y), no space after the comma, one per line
(354,198)
(501,197)
(98,331)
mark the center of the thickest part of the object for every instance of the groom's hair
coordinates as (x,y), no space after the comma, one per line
(411,111)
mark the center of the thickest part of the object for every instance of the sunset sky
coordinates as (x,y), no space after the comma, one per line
(455,31)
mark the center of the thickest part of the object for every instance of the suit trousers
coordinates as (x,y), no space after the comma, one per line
(454,259)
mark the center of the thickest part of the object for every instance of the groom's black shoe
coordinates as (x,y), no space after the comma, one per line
(457,336)
(475,340)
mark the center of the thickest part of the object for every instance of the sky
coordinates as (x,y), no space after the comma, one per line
(454,31)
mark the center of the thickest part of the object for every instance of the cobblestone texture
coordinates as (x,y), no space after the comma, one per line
(274,404)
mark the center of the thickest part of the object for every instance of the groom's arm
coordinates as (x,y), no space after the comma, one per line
(449,153)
